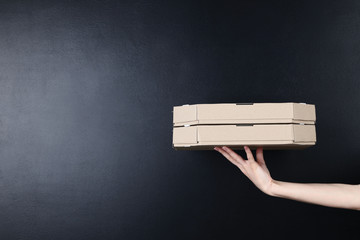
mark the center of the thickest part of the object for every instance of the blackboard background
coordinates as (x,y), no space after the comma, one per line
(86,96)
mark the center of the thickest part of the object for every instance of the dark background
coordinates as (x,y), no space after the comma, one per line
(86,96)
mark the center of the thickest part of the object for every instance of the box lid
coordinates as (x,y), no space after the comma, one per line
(240,113)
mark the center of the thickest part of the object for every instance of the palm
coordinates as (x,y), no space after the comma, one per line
(256,171)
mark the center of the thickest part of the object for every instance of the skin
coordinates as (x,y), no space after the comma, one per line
(336,195)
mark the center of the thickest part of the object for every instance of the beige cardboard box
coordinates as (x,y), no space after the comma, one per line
(270,136)
(270,125)
(237,113)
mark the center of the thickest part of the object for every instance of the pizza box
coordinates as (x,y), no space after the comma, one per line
(235,136)
(243,113)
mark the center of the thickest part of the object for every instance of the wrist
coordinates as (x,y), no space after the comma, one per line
(273,188)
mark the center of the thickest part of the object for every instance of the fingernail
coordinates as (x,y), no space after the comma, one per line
(215,148)
(224,147)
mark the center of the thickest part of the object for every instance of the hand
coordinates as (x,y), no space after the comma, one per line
(256,171)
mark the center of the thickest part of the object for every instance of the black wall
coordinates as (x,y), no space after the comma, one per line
(86,96)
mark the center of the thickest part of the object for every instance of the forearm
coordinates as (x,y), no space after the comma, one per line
(330,195)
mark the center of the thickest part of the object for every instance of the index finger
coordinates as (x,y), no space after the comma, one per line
(234,155)
(225,154)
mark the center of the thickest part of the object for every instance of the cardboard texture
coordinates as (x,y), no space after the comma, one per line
(270,125)
(233,113)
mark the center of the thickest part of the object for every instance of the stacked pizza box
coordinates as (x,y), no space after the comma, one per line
(286,125)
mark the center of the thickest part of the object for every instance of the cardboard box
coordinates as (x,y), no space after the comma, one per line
(248,113)
(270,136)
(270,125)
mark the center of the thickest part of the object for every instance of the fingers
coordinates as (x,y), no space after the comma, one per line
(234,155)
(232,160)
(249,154)
(260,156)
(225,154)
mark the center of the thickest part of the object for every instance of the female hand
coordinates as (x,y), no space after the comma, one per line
(256,171)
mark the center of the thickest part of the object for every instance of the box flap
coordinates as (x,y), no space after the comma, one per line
(185,135)
(304,133)
(304,112)
(185,114)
